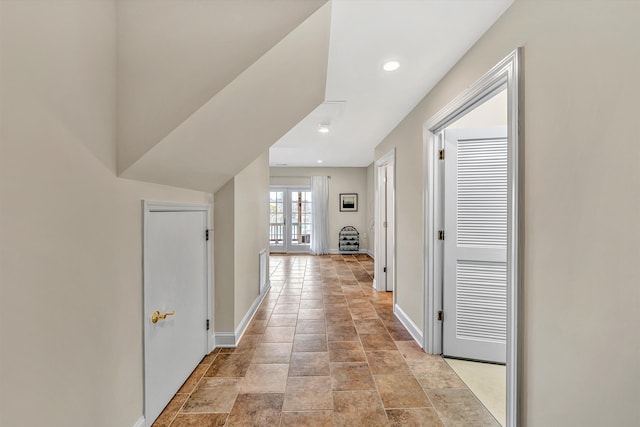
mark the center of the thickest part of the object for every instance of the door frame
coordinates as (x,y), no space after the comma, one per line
(389,159)
(507,73)
(153,206)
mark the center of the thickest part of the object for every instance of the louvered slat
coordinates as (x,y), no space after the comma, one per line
(482,193)
(481,301)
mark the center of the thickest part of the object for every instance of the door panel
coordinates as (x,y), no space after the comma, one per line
(277,221)
(475,255)
(175,281)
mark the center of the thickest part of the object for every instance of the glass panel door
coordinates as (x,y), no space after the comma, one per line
(300,221)
(289,220)
(277,221)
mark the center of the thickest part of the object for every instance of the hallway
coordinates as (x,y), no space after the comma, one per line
(324,349)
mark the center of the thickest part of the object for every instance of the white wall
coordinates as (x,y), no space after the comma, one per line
(224,256)
(581,299)
(343,180)
(371,205)
(251,231)
(71,235)
(241,232)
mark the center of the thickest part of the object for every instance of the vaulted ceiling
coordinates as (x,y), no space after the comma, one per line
(204,87)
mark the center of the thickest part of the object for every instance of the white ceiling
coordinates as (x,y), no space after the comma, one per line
(364,103)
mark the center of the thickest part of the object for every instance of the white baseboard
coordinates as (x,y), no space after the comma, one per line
(370,253)
(408,323)
(232,339)
(339,252)
(139,423)
(374,283)
(225,339)
(242,327)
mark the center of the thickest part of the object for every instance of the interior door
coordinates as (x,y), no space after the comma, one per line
(475,244)
(175,289)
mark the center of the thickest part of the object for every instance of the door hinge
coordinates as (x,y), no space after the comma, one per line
(440,234)
(440,315)
(440,154)
(207,324)
(384,270)
(206,234)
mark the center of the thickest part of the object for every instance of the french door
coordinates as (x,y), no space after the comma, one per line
(290,220)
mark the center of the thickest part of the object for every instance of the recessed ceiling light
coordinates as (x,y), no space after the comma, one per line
(323,129)
(391,65)
(318,161)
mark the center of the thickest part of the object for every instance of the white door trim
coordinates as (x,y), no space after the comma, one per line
(505,74)
(154,206)
(389,159)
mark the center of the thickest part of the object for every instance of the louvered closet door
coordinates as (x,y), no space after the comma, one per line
(475,245)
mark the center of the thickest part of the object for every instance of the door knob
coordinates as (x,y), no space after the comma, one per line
(157,316)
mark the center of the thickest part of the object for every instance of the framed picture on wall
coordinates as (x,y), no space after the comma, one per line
(348,202)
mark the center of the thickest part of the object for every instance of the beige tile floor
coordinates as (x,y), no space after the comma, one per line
(487,381)
(324,349)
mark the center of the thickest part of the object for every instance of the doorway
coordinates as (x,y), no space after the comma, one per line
(472,229)
(176,298)
(385,219)
(290,219)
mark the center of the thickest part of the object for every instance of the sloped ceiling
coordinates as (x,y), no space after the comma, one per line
(427,37)
(175,55)
(201,142)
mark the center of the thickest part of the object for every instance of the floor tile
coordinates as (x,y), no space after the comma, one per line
(309,419)
(401,391)
(278,334)
(342,333)
(370,326)
(460,407)
(311,327)
(265,378)
(283,320)
(286,308)
(387,363)
(213,395)
(230,365)
(351,376)
(417,417)
(256,409)
(193,379)
(377,342)
(340,351)
(435,374)
(170,411)
(199,420)
(311,314)
(310,342)
(309,364)
(272,353)
(412,351)
(308,393)
(358,408)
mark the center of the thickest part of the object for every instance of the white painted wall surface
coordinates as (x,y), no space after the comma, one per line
(581,299)
(70,231)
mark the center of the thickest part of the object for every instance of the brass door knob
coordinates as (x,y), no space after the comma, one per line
(157,316)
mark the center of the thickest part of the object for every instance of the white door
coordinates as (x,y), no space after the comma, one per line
(176,289)
(388,227)
(385,218)
(290,220)
(475,244)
